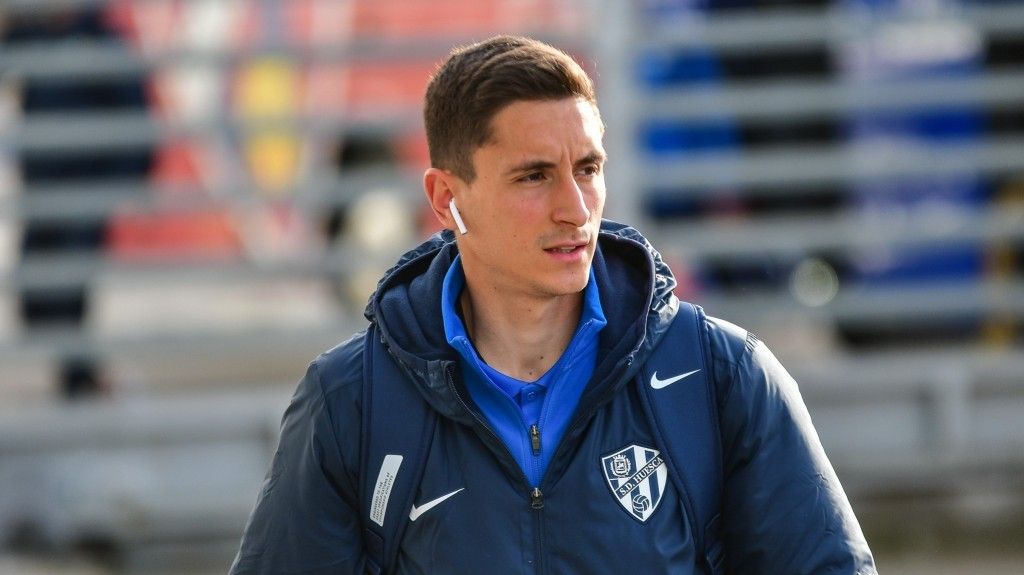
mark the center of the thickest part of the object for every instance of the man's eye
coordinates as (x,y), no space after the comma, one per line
(533,177)
(591,170)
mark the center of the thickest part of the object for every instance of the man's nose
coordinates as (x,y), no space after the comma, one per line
(571,206)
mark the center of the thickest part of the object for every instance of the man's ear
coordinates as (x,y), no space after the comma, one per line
(440,186)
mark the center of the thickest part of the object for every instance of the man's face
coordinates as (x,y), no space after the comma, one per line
(534,210)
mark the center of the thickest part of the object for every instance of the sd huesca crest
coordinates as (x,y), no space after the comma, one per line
(636,476)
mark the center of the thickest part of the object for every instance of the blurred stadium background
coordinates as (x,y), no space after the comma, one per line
(196,197)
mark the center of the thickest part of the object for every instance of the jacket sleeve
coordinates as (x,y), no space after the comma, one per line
(306,519)
(783,508)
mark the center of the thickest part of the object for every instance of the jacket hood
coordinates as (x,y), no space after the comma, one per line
(635,287)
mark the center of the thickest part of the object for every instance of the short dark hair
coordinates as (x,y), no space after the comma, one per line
(478,81)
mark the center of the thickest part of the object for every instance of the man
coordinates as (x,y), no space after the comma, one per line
(524,332)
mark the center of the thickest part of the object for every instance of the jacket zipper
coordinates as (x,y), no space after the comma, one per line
(536,499)
(535,494)
(537,504)
(524,480)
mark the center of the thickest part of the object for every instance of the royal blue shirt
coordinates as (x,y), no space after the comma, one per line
(513,407)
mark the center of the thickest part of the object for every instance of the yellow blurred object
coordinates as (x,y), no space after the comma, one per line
(273,161)
(268,90)
(1000,329)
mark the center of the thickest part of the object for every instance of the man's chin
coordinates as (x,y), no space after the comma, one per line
(573,285)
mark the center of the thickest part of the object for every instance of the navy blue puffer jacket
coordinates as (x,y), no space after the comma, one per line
(783,509)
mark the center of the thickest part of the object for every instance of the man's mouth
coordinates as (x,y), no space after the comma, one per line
(572,249)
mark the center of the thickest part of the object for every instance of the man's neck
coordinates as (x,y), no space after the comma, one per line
(520,336)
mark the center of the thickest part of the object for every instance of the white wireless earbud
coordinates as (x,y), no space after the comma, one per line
(457,216)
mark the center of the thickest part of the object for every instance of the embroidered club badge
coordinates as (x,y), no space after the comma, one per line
(636,476)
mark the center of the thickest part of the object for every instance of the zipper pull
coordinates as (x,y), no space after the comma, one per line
(535,439)
(536,499)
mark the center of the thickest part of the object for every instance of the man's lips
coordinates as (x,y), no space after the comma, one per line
(566,242)
(567,247)
(570,247)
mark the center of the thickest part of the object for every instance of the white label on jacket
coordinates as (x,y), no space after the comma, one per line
(382,490)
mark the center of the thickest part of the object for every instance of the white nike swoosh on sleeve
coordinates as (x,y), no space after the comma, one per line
(660,383)
(415,513)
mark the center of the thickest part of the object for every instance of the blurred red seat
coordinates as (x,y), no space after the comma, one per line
(447,18)
(180,235)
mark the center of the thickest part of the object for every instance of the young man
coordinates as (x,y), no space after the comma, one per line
(526,332)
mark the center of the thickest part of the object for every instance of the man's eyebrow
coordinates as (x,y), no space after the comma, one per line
(529,166)
(594,157)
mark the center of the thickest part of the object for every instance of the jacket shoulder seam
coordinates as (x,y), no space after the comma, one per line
(354,376)
(344,383)
(750,342)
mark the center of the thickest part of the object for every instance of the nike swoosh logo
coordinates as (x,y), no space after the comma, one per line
(417,511)
(660,383)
